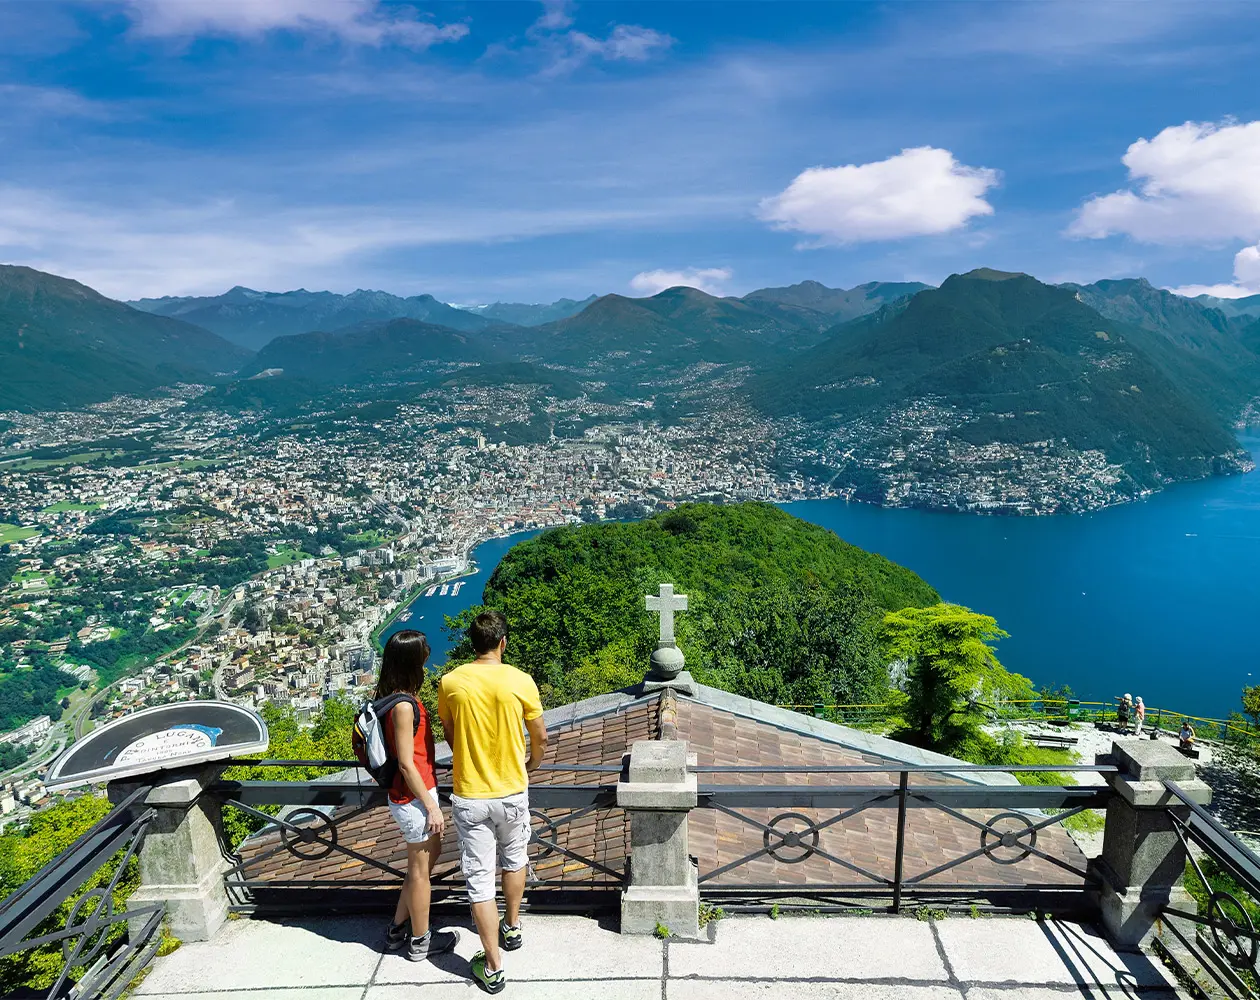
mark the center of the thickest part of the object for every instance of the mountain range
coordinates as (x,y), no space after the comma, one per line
(252,319)
(1152,379)
(531,314)
(63,345)
(1023,362)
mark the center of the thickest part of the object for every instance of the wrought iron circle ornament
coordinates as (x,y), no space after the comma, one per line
(552,832)
(88,926)
(1238,944)
(1010,831)
(320,835)
(803,840)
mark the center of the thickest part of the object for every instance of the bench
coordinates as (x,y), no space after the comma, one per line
(1048,740)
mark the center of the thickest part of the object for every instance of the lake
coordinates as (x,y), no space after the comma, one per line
(1158,598)
(427,613)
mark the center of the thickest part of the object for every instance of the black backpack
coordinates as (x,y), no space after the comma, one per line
(368,737)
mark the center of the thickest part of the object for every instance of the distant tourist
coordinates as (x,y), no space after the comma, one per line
(1186,736)
(1139,716)
(1123,711)
(413,800)
(485,707)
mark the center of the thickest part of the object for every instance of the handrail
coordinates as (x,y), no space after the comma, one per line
(89,936)
(438,765)
(1215,838)
(899,768)
(30,904)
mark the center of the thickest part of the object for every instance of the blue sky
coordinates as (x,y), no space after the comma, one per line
(482,151)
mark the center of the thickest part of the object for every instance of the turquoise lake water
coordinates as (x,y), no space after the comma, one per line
(1159,598)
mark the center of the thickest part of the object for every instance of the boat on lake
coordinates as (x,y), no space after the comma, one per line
(445,587)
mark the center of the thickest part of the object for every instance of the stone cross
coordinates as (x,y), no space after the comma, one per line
(665,605)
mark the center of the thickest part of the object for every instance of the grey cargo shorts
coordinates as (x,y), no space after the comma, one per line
(490,829)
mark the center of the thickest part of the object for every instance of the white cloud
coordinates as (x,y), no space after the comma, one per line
(1192,183)
(563,50)
(707,279)
(918,192)
(162,248)
(625,41)
(362,22)
(1246,278)
(555,16)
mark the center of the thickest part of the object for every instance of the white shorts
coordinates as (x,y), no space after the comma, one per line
(412,818)
(486,828)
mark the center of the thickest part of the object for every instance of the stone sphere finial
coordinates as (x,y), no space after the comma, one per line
(667,662)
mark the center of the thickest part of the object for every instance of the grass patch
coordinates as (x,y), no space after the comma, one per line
(15,533)
(1032,756)
(1089,821)
(31,464)
(286,556)
(372,537)
(64,505)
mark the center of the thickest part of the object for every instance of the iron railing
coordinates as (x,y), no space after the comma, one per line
(1004,825)
(306,853)
(1221,938)
(102,949)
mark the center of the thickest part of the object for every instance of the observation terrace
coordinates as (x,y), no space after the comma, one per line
(843,864)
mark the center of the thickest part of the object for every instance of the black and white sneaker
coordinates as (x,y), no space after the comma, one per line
(397,935)
(432,943)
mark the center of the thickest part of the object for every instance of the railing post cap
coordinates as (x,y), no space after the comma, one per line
(169,788)
(658,761)
(1148,760)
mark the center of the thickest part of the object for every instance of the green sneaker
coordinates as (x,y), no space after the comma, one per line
(491,982)
(510,937)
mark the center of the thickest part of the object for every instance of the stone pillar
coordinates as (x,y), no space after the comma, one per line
(1143,859)
(658,797)
(181,859)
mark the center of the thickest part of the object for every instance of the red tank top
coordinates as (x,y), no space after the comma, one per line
(423,755)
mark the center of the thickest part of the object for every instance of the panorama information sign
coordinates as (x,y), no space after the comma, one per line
(159,739)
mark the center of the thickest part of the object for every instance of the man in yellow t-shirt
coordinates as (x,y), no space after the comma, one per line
(485,707)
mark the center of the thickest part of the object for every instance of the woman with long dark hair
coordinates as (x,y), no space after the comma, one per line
(413,800)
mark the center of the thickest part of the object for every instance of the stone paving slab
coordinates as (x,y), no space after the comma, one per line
(1009,950)
(316,993)
(577,958)
(813,947)
(610,989)
(254,954)
(556,948)
(700,989)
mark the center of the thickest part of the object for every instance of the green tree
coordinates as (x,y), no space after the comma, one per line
(24,853)
(1251,703)
(327,739)
(952,672)
(793,645)
(780,610)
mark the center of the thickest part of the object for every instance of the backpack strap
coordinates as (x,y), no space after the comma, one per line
(383,706)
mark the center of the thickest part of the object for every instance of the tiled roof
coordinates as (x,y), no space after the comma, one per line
(601,834)
(867,838)
(717,736)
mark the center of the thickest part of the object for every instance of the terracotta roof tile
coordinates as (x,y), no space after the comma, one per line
(866,838)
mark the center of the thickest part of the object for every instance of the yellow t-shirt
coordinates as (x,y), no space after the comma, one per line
(488,704)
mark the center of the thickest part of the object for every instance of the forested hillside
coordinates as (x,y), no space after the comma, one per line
(1022,362)
(780,610)
(63,344)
